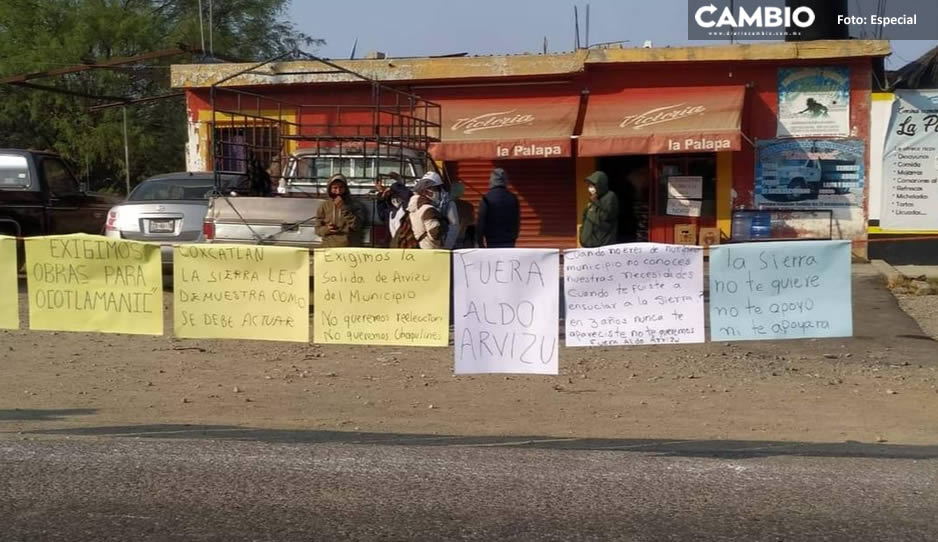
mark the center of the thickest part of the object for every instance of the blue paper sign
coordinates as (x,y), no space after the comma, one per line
(781,290)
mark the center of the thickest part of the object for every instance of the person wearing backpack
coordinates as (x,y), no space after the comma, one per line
(429,225)
(499,214)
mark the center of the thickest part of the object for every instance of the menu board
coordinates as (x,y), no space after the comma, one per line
(910,163)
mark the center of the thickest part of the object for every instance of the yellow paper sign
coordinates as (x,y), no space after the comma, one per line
(241,292)
(9,294)
(381,296)
(91,283)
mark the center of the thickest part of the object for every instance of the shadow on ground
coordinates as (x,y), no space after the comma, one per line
(19,414)
(722,449)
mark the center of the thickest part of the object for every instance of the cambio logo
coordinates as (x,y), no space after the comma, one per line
(760,17)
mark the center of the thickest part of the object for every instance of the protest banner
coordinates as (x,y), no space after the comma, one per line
(789,290)
(640,293)
(9,293)
(381,296)
(506,309)
(241,292)
(90,283)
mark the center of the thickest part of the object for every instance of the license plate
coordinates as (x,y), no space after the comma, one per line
(162,226)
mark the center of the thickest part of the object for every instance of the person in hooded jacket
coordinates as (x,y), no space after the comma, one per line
(499,220)
(601,216)
(340,220)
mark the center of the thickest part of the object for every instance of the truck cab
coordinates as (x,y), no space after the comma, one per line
(39,195)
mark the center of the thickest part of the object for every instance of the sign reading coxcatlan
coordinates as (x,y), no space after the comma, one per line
(9,296)
(381,296)
(91,283)
(241,292)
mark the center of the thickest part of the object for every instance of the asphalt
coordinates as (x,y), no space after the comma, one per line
(146,489)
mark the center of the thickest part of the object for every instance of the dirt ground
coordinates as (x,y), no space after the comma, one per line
(879,386)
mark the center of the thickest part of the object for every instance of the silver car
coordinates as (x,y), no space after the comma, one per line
(166,209)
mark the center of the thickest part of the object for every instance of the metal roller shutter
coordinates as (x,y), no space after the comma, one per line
(545,189)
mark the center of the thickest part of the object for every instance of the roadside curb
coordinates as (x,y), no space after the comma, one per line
(892,275)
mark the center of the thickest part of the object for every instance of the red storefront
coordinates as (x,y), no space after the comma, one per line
(645,116)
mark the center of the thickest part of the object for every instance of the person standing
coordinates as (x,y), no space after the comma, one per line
(428,223)
(340,220)
(499,222)
(466,213)
(601,216)
(392,202)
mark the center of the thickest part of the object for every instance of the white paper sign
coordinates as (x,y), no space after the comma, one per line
(506,306)
(684,207)
(685,186)
(638,293)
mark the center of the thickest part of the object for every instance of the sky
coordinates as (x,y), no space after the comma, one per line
(482,27)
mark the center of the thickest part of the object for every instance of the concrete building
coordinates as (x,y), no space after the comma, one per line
(688,135)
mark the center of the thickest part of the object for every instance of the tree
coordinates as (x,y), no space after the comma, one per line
(37,35)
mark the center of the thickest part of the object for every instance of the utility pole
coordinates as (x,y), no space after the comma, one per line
(126,152)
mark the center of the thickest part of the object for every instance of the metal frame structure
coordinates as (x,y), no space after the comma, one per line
(391,123)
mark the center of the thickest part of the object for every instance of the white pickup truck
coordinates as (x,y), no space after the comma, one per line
(287,219)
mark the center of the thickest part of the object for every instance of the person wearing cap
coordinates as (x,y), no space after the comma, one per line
(340,220)
(426,220)
(601,216)
(499,221)
(392,201)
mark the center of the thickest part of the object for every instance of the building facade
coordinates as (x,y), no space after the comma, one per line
(687,136)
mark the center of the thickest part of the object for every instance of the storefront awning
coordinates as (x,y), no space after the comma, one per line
(499,128)
(663,120)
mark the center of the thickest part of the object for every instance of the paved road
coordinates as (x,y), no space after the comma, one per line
(365,487)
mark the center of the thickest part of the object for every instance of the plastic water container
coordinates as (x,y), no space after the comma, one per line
(761,226)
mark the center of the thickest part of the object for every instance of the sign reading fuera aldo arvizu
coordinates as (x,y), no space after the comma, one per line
(910,163)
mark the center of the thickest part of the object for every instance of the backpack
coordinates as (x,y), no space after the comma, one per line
(404,236)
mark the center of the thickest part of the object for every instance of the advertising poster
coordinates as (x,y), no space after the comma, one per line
(809,173)
(910,163)
(814,101)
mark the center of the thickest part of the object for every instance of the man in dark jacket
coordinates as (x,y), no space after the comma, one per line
(340,220)
(601,216)
(499,220)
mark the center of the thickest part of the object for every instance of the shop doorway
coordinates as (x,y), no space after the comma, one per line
(648,211)
(630,180)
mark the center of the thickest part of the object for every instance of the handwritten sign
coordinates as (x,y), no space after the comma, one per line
(790,290)
(506,310)
(241,292)
(9,295)
(685,186)
(376,296)
(684,207)
(640,293)
(90,283)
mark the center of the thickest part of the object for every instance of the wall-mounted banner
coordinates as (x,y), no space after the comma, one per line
(506,309)
(91,283)
(9,294)
(640,293)
(814,101)
(910,163)
(790,290)
(378,296)
(809,173)
(241,292)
